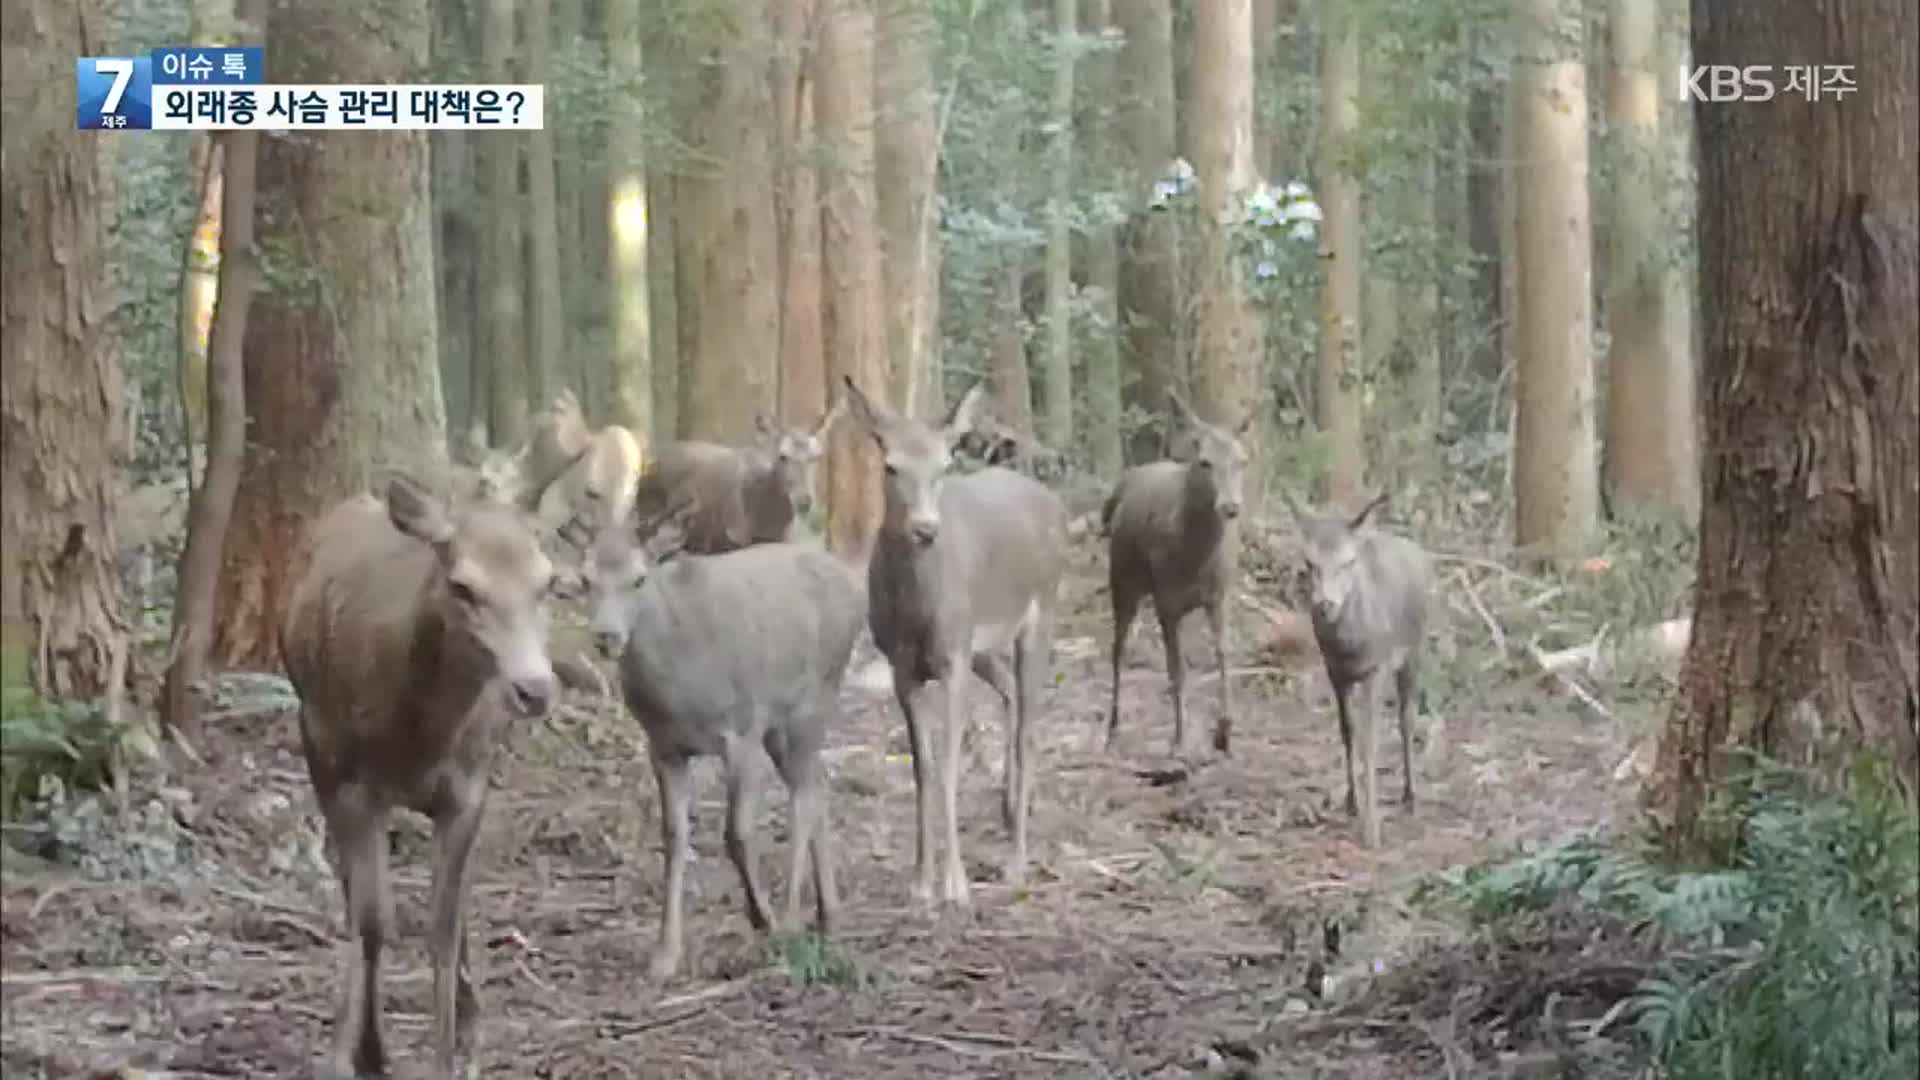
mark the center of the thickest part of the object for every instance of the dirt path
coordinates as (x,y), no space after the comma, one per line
(1160,917)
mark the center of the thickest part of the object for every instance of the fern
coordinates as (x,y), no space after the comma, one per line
(1801,959)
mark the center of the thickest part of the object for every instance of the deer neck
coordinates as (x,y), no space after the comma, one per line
(1200,521)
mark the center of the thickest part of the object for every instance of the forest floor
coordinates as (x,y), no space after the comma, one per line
(1217,918)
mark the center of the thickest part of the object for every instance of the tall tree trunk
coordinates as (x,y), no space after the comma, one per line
(796,192)
(62,432)
(630,382)
(907,158)
(663,305)
(1227,371)
(1105,445)
(212,506)
(855,330)
(1059,365)
(727,223)
(342,378)
(1266,133)
(1149,275)
(1556,495)
(457,246)
(209,22)
(1342,251)
(507,342)
(1649,445)
(1808,597)
(573,174)
(1011,385)
(547,352)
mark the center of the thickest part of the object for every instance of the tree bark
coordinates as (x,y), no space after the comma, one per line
(1556,494)
(630,382)
(209,22)
(663,306)
(507,341)
(1808,596)
(212,507)
(855,331)
(1059,362)
(1649,388)
(1104,436)
(1337,395)
(803,387)
(547,354)
(1012,386)
(1149,273)
(340,355)
(62,433)
(727,224)
(907,159)
(1228,379)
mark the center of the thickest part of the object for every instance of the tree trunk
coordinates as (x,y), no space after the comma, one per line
(61,425)
(340,356)
(573,173)
(1342,250)
(663,306)
(1059,365)
(1556,496)
(1227,371)
(727,223)
(1649,444)
(1012,387)
(507,340)
(1266,134)
(547,353)
(212,506)
(209,22)
(629,375)
(1149,274)
(855,330)
(1104,442)
(907,159)
(803,361)
(457,248)
(1808,597)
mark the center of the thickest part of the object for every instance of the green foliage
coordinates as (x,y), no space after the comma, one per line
(1801,958)
(48,748)
(810,959)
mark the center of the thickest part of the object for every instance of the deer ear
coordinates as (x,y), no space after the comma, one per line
(1367,511)
(863,410)
(416,513)
(964,416)
(831,417)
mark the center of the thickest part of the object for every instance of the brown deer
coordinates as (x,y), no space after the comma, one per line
(414,635)
(1172,537)
(963,567)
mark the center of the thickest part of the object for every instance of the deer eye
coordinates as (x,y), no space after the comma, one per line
(464,593)
(891,470)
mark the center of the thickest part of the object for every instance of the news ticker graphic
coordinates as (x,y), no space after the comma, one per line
(223,89)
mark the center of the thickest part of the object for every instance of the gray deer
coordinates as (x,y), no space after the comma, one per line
(1370,594)
(962,567)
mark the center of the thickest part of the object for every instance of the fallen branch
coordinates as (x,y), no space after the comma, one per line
(1572,687)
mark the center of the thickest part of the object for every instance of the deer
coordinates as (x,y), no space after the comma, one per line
(415,634)
(1172,537)
(738,496)
(962,567)
(720,654)
(1370,591)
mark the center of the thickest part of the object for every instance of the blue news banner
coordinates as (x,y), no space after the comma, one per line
(117,92)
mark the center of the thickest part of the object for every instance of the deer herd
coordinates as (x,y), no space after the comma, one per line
(416,633)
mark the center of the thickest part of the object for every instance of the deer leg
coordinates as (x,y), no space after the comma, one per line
(1406,689)
(740,808)
(994,672)
(1126,607)
(675,795)
(359,834)
(796,757)
(456,821)
(1223,727)
(903,691)
(1176,679)
(1030,653)
(955,684)
(1368,766)
(1343,703)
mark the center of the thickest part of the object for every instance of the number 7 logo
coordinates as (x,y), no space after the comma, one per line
(121,68)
